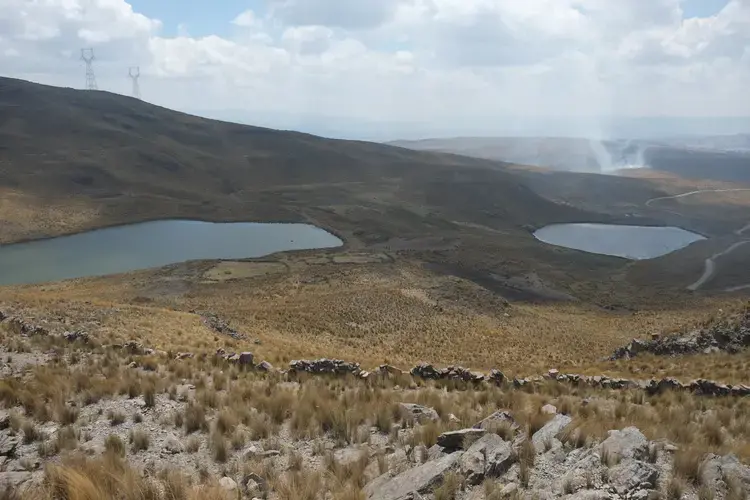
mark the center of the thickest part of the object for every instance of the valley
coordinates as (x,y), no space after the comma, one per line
(427,257)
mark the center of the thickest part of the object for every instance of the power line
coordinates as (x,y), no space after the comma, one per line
(135,73)
(88,57)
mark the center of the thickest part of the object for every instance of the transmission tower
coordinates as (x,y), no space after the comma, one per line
(88,57)
(135,73)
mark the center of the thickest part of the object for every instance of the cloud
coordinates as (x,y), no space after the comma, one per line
(483,62)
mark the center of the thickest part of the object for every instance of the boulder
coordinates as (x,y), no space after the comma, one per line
(324,367)
(629,443)
(456,440)
(8,445)
(426,371)
(228,484)
(418,413)
(549,409)
(255,485)
(264,366)
(496,376)
(492,422)
(246,359)
(632,475)
(12,481)
(718,469)
(550,430)
(489,456)
(422,479)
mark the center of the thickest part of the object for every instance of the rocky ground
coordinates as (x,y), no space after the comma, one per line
(216,424)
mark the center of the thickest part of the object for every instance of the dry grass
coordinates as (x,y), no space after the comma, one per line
(110,478)
(360,313)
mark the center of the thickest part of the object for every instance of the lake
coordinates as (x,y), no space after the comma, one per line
(630,242)
(151,244)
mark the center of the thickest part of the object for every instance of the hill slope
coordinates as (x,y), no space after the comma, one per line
(74,160)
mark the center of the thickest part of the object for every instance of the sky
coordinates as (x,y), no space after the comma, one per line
(406,68)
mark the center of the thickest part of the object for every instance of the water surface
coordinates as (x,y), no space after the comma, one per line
(151,244)
(630,242)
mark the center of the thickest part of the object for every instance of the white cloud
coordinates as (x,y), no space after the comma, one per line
(447,61)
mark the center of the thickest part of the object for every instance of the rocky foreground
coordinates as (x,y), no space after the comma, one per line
(171,426)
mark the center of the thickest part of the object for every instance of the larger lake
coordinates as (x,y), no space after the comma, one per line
(630,242)
(151,244)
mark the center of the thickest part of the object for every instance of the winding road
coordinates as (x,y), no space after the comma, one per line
(709,270)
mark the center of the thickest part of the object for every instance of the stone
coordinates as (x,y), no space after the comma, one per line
(14,480)
(4,420)
(246,358)
(629,443)
(422,479)
(255,485)
(456,440)
(435,452)
(717,469)
(264,366)
(550,430)
(549,409)
(228,484)
(508,490)
(496,376)
(418,413)
(173,445)
(497,419)
(631,475)
(489,456)
(426,371)
(324,367)
(8,445)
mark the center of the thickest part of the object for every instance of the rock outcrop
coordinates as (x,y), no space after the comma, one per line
(727,336)
(421,479)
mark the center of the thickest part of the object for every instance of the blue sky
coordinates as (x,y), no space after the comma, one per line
(202,18)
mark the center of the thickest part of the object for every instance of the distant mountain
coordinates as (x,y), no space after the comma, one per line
(719,158)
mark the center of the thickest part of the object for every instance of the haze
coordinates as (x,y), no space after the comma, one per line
(388,69)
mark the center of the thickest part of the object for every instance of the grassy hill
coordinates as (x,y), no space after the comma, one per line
(73,160)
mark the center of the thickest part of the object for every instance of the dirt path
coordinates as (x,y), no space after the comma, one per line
(683,195)
(710,269)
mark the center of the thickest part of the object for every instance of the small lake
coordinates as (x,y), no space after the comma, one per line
(630,242)
(151,244)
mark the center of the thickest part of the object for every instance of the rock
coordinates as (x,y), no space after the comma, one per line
(173,445)
(324,367)
(185,355)
(251,452)
(425,371)
(4,420)
(12,481)
(264,366)
(497,377)
(418,413)
(255,485)
(628,443)
(717,469)
(246,358)
(228,484)
(8,445)
(508,490)
(549,410)
(435,452)
(422,479)
(497,419)
(456,440)
(631,475)
(590,495)
(489,456)
(553,373)
(549,432)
